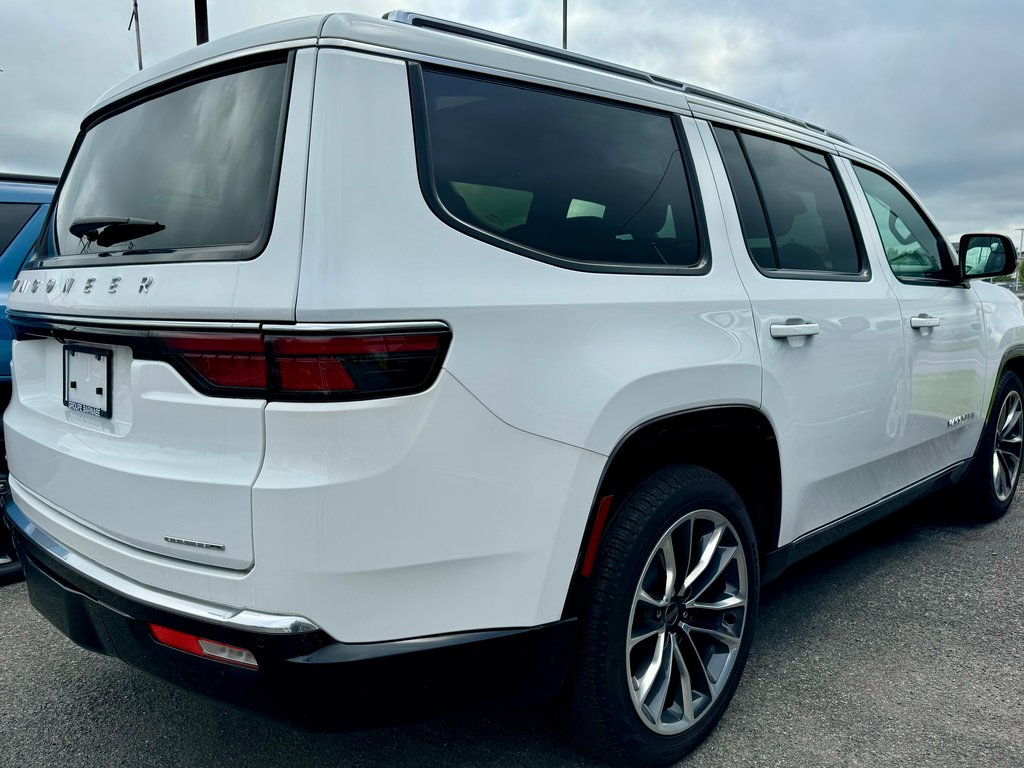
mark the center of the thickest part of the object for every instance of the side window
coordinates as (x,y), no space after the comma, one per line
(912,246)
(13,216)
(578,182)
(793,214)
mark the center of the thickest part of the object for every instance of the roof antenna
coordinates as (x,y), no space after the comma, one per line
(138,37)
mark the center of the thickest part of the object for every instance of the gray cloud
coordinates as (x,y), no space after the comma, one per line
(929,86)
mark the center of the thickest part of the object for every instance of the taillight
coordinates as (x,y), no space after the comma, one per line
(220,361)
(307,367)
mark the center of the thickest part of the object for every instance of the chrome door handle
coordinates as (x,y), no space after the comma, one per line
(793,327)
(924,321)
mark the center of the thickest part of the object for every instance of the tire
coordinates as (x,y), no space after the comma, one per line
(10,568)
(987,491)
(707,614)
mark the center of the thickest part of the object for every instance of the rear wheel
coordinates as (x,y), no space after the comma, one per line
(666,633)
(988,489)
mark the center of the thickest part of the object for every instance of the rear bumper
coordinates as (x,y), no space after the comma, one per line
(304,676)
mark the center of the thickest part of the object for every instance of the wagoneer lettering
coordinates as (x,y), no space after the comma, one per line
(504,369)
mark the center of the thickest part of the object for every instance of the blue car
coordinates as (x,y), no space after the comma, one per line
(24,201)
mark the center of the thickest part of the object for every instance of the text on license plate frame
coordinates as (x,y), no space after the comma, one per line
(97,377)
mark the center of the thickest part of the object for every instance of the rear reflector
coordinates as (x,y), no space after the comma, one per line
(314,367)
(200,646)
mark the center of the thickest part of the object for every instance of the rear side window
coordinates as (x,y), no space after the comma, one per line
(791,206)
(578,182)
(913,248)
(200,160)
(13,218)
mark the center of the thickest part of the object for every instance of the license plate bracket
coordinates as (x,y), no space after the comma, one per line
(87,379)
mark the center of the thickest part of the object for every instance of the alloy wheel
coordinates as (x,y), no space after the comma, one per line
(687,621)
(1006,454)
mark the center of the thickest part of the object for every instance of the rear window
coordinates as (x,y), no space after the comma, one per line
(199,161)
(575,181)
(13,218)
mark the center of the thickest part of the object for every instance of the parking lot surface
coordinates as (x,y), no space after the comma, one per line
(902,646)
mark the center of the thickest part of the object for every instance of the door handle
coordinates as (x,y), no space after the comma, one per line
(795,326)
(924,321)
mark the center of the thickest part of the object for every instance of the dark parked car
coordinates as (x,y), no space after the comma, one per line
(24,201)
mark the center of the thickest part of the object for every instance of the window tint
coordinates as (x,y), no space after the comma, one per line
(795,189)
(199,160)
(13,216)
(912,246)
(572,178)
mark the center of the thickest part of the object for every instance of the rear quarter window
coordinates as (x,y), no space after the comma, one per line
(574,181)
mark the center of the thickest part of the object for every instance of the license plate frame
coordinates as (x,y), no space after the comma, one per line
(88,369)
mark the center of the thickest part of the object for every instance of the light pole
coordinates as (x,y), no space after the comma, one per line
(565,25)
(1016,272)
(138,33)
(202,24)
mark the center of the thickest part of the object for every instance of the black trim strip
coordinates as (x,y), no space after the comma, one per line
(778,561)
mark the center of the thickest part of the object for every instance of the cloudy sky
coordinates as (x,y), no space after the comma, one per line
(934,87)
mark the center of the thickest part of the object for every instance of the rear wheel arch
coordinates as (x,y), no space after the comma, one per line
(736,442)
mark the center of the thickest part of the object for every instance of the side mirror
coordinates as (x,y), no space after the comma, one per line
(986,256)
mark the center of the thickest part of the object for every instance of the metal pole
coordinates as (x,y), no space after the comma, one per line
(202,23)
(1016,272)
(138,33)
(565,24)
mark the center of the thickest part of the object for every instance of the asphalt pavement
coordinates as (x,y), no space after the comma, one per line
(902,646)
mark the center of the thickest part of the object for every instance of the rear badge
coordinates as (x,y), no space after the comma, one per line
(196,544)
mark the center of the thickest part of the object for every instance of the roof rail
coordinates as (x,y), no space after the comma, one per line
(767,111)
(464,30)
(28,178)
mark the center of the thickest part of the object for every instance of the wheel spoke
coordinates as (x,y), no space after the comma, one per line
(638,637)
(706,555)
(662,684)
(1011,463)
(684,680)
(643,597)
(730,602)
(697,666)
(719,563)
(668,552)
(646,681)
(1012,417)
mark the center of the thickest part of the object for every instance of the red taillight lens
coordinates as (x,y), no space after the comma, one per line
(367,366)
(222,361)
(314,367)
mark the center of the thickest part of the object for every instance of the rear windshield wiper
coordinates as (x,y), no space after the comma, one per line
(107,230)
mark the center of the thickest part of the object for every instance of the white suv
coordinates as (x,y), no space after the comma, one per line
(359,347)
